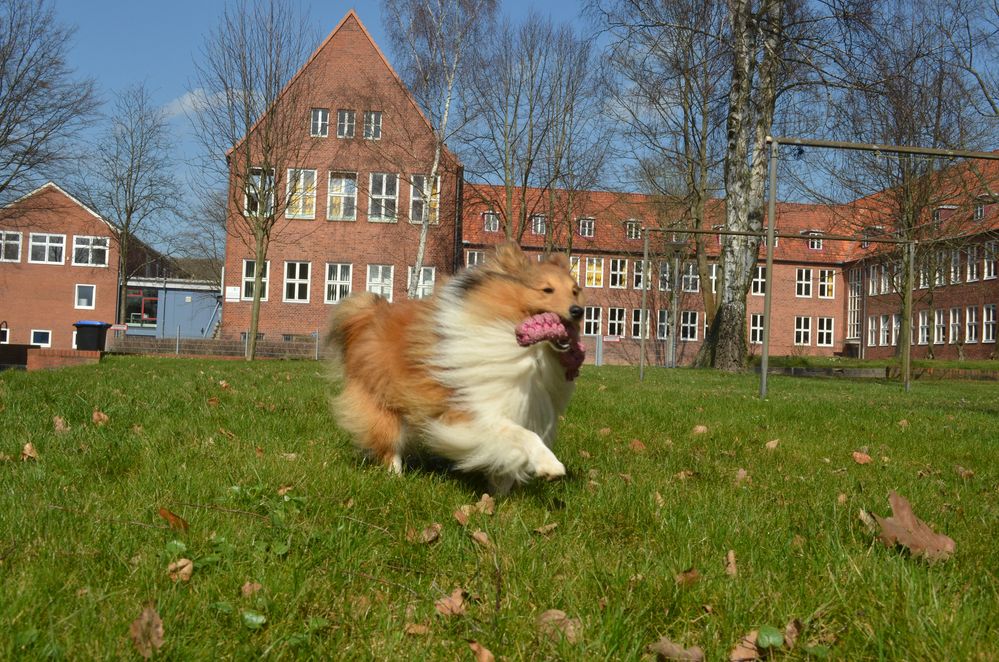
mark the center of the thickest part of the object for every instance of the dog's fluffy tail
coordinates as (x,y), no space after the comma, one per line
(349,319)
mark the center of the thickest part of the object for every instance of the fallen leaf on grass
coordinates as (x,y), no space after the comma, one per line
(462,516)
(29,452)
(146,632)
(791,633)
(730,567)
(660,501)
(904,423)
(841,499)
(291,457)
(904,528)
(772,444)
(224,385)
(452,605)
(213,401)
(665,649)
(258,451)
(603,432)
(746,650)
(181,570)
(486,504)
(556,624)
(60,424)
(685,474)
(416,629)
(868,521)
(99,418)
(284,489)
(964,473)
(249,588)
(5,458)
(626,478)
(742,476)
(700,429)
(482,654)
(584,454)
(430,534)
(546,529)
(176,522)
(688,577)
(861,458)
(482,539)
(636,445)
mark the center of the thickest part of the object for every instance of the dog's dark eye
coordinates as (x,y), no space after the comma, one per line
(549,290)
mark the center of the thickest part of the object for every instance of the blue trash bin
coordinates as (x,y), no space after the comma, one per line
(91,335)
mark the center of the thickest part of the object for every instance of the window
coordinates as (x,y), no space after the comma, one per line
(296,282)
(939,326)
(884,278)
(4,335)
(759,287)
(418,207)
(855,293)
(872,330)
(41,338)
(924,274)
(955,265)
(639,272)
(372,125)
(249,273)
(341,200)
(47,248)
(380,279)
(384,195)
(972,255)
(756,329)
(142,306)
(924,327)
(814,242)
(691,280)
(885,334)
(989,322)
(615,322)
(10,246)
(426,285)
(971,324)
(991,248)
(301,193)
(594,272)
(688,325)
(803,283)
(618,273)
(339,278)
(474,258)
(491,221)
(940,273)
(802,331)
(84,297)
(591,321)
(586,227)
(665,279)
(896,327)
(320,127)
(955,326)
(636,323)
(259,187)
(713,277)
(91,251)
(344,123)
(663,324)
(574,267)
(827,284)
(537,224)
(632,230)
(824,332)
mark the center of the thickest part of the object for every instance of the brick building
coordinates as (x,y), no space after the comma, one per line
(367,144)
(58,265)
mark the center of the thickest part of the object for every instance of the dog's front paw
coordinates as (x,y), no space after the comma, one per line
(549,468)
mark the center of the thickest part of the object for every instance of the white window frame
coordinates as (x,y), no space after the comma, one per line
(93,296)
(640,274)
(618,273)
(955,266)
(971,255)
(803,283)
(592,320)
(855,292)
(756,328)
(87,243)
(301,196)
(4,335)
(338,286)
(713,276)
(247,281)
(802,331)
(615,321)
(971,325)
(665,276)
(954,328)
(759,286)
(989,263)
(979,212)
(425,288)
(885,334)
(345,122)
(872,330)
(690,280)
(319,125)
(257,180)
(9,238)
(923,326)
(587,226)
(632,230)
(594,272)
(416,198)
(380,285)
(372,125)
(688,326)
(474,258)
(539,224)
(636,323)
(339,195)
(989,323)
(297,282)
(939,326)
(47,244)
(896,328)
(31,338)
(662,324)
(827,283)
(383,199)
(825,331)
(814,243)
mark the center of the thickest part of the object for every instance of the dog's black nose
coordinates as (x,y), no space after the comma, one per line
(576,312)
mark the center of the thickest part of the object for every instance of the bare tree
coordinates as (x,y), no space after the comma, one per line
(129,179)
(433,40)
(249,122)
(42,104)
(200,247)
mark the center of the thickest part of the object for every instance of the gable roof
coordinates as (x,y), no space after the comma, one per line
(60,190)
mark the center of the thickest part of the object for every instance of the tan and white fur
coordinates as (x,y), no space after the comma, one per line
(446,375)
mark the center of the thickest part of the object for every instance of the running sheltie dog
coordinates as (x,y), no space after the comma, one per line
(457,375)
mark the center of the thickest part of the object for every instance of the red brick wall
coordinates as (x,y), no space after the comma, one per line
(50,359)
(42,296)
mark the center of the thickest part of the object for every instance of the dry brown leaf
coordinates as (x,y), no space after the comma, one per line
(249,588)
(688,577)
(861,458)
(730,568)
(665,649)
(146,632)
(60,424)
(461,515)
(868,521)
(213,401)
(452,605)
(546,529)
(430,534)
(486,505)
(592,486)
(772,444)
(626,478)
(482,654)
(556,624)
(224,385)
(603,432)
(258,451)
(660,501)
(700,429)
(791,633)
(584,454)
(417,629)
(841,499)
(176,522)
(685,474)
(5,458)
(904,423)
(746,649)
(964,473)
(636,445)
(291,457)
(29,452)
(284,489)
(904,528)
(742,476)
(482,539)
(181,570)
(99,418)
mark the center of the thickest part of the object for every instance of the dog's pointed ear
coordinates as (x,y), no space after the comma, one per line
(560,260)
(509,258)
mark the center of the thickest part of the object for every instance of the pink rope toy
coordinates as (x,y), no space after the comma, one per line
(549,326)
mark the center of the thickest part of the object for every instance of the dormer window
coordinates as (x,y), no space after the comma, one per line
(814,240)
(979,211)
(586,226)
(632,230)
(870,231)
(490,221)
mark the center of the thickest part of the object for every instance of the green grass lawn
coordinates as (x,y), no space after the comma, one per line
(274,495)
